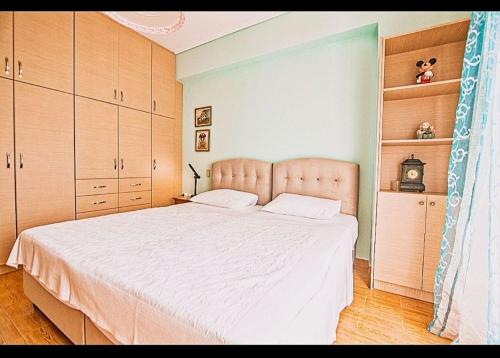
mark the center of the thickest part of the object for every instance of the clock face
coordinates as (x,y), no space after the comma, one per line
(412,174)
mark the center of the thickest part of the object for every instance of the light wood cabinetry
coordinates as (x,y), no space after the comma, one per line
(6,43)
(436,211)
(7,167)
(96,136)
(408,226)
(93,214)
(96,202)
(134,70)
(163,81)
(96,186)
(164,161)
(134,143)
(43,49)
(135,198)
(134,184)
(44,136)
(96,56)
(178,137)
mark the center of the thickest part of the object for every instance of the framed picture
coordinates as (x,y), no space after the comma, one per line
(202,140)
(203,116)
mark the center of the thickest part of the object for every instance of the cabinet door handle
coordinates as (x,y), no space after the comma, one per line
(122,163)
(99,186)
(20,69)
(121,96)
(115,93)
(8,160)
(432,203)
(420,203)
(154,105)
(21,164)
(99,202)
(137,198)
(116,163)
(154,164)
(7,67)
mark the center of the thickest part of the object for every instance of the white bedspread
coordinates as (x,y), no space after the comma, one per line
(193,273)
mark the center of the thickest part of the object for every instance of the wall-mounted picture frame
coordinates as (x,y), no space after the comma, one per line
(203,116)
(202,140)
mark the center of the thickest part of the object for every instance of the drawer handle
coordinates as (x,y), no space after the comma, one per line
(99,202)
(432,203)
(99,186)
(137,198)
(420,203)
(7,67)
(136,184)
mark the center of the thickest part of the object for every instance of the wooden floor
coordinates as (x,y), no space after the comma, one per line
(374,317)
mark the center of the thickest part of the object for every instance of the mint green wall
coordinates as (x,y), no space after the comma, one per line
(317,99)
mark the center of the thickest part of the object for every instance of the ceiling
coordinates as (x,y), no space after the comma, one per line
(199,27)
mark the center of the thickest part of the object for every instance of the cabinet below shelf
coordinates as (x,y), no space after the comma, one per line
(435,141)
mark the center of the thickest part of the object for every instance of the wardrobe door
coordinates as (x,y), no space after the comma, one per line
(96,136)
(400,238)
(96,56)
(436,214)
(164,161)
(6,44)
(7,193)
(134,70)
(45,180)
(178,137)
(43,49)
(134,143)
(163,81)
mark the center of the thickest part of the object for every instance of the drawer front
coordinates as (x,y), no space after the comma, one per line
(92,214)
(134,184)
(134,207)
(96,202)
(96,186)
(135,198)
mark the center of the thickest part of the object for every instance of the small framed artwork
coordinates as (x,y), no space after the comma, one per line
(203,116)
(202,140)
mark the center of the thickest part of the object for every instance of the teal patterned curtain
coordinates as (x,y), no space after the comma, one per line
(467,284)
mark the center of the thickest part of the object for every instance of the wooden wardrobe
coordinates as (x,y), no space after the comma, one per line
(90,120)
(408,226)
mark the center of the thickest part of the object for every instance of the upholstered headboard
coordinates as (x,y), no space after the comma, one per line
(250,175)
(323,178)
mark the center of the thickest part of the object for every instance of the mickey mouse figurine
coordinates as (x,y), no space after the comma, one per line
(425,69)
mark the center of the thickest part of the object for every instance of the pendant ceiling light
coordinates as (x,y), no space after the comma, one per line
(149,22)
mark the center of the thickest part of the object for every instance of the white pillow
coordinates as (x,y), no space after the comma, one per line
(305,206)
(226,198)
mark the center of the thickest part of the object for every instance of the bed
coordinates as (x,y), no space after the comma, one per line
(196,274)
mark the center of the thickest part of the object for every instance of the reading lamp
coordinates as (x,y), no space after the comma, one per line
(196,177)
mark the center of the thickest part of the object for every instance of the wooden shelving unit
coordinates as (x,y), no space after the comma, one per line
(407,226)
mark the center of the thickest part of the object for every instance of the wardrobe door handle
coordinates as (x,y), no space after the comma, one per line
(154,106)
(115,93)
(154,164)
(8,160)
(7,67)
(121,163)
(121,96)
(20,69)
(116,163)
(420,203)
(21,164)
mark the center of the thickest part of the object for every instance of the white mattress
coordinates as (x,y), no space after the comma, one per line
(193,273)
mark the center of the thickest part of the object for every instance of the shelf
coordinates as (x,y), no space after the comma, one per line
(405,142)
(412,193)
(422,90)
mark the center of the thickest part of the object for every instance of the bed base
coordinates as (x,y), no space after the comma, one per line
(73,323)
